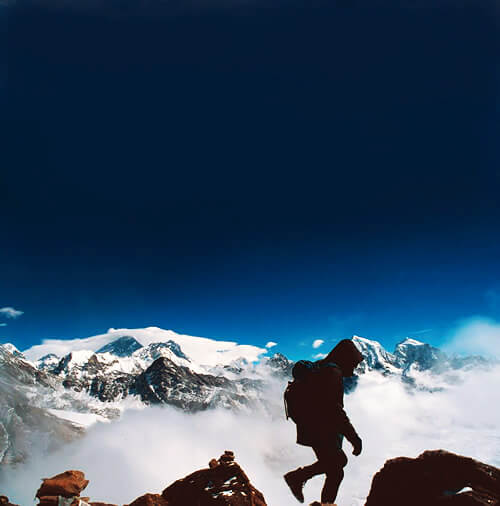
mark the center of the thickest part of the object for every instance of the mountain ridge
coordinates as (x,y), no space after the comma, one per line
(98,385)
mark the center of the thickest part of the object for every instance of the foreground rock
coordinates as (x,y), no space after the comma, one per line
(435,478)
(4,501)
(223,482)
(65,488)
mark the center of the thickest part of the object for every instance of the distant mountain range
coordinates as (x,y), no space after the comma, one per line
(58,388)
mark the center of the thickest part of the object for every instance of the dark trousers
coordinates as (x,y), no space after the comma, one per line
(331,461)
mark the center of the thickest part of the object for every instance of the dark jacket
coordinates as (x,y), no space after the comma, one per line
(328,418)
(325,417)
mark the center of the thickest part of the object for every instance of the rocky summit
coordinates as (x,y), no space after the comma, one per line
(223,482)
(435,478)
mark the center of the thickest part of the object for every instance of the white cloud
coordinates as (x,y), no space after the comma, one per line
(476,336)
(319,355)
(317,343)
(270,344)
(10,312)
(201,350)
(145,451)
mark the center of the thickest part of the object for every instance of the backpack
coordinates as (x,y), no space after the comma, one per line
(297,396)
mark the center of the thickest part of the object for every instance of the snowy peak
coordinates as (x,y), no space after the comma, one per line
(376,357)
(122,347)
(411,342)
(420,355)
(170,350)
(48,362)
(202,352)
(73,360)
(411,357)
(176,349)
(12,349)
(280,364)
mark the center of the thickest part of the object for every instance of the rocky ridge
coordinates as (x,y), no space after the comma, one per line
(223,482)
(434,478)
(154,373)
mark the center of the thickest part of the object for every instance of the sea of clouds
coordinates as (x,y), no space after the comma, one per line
(146,450)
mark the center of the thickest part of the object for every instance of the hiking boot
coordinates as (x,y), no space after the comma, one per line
(294,481)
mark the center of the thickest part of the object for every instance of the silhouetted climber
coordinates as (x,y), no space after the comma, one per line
(315,402)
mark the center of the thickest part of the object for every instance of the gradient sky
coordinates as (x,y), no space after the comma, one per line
(288,173)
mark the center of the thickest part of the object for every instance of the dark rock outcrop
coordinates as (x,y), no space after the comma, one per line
(4,501)
(222,483)
(435,478)
(95,377)
(67,484)
(164,382)
(150,500)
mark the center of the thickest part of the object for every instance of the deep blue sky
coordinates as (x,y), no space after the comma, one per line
(285,173)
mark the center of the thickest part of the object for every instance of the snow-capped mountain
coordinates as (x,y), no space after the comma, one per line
(376,358)
(420,355)
(122,347)
(23,424)
(72,384)
(155,366)
(160,366)
(418,364)
(12,349)
(202,352)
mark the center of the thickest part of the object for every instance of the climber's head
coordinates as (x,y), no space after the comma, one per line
(346,356)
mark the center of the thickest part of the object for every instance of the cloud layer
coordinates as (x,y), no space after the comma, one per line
(147,450)
(476,336)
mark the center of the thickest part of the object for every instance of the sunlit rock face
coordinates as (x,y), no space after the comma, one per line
(435,478)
